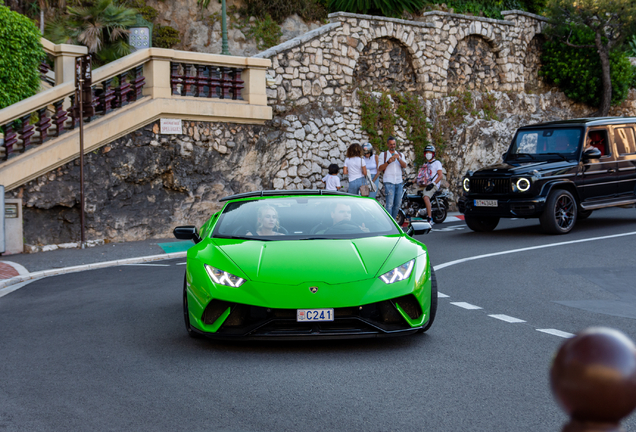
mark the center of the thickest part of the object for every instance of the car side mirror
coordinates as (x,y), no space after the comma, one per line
(188,232)
(418,228)
(503,156)
(591,153)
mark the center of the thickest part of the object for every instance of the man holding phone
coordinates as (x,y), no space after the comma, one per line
(391,163)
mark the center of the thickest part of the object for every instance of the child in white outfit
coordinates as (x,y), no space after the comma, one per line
(331,180)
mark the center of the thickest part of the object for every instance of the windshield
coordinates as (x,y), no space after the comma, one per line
(545,143)
(302,218)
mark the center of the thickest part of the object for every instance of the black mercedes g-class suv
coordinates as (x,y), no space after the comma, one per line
(558,172)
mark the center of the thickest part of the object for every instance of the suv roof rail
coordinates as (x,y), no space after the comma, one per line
(264,193)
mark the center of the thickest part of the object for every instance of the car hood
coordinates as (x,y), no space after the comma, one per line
(293,262)
(506,169)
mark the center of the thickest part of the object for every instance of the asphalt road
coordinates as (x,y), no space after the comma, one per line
(106,349)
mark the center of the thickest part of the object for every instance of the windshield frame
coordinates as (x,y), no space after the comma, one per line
(365,208)
(548,133)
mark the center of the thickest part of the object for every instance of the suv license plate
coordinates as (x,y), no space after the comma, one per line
(485,203)
(303,315)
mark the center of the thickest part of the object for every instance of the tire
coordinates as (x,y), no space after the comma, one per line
(559,214)
(439,216)
(481,224)
(186,314)
(584,214)
(433,311)
(400,218)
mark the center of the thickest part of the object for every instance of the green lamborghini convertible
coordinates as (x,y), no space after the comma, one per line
(306,264)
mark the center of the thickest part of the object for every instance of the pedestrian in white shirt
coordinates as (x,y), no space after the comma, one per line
(355,168)
(429,177)
(332,181)
(391,163)
(371,161)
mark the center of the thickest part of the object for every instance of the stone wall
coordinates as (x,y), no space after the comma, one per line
(144,184)
(385,63)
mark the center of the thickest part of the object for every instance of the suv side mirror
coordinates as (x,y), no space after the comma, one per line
(503,155)
(418,228)
(591,153)
(188,232)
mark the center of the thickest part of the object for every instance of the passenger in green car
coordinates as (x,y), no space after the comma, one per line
(267,222)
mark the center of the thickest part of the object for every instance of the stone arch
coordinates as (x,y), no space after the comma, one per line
(473,65)
(386,63)
(532,64)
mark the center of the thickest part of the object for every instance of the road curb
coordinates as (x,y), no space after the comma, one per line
(54,272)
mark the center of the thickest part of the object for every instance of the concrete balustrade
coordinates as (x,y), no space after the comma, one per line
(150,75)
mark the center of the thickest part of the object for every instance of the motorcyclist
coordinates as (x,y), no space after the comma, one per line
(429,177)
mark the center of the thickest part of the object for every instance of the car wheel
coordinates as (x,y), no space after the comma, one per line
(481,224)
(439,215)
(584,214)
(559,214)
(433,311)
(186,313)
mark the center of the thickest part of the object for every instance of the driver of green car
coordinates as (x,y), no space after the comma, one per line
(341,221)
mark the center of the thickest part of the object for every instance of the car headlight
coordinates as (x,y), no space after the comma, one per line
(399,273)
(223,278)
(466,184)
(522,184)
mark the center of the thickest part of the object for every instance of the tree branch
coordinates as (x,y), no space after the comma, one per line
(570,44)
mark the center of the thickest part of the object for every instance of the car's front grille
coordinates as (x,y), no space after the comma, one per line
(259,321)
(490,185)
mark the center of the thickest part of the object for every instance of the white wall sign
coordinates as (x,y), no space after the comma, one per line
(171,126)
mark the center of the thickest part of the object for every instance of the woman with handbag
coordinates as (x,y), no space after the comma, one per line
(371,161)
(355,169)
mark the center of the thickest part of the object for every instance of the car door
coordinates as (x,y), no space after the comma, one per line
(624,138)
(597,180)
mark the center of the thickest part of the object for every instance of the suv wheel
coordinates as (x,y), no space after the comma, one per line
(481,224)
(559,214)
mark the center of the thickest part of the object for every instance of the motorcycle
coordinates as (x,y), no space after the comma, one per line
(413,204)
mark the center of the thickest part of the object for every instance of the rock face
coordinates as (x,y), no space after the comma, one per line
(144,184)
(473,66)
(387,63)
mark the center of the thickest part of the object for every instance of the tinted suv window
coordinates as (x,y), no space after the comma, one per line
(624,137)
(545,142)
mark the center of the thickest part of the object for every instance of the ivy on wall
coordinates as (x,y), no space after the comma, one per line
(380,112)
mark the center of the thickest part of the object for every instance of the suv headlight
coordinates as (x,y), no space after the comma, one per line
(223,278)
(399,273)
(466,184)
(521,185)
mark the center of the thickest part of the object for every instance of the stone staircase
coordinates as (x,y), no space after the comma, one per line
(41,133)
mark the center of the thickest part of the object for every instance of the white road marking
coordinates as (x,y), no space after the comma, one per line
(183,263)
(440,295)
(556,332)
(463,260)
(148,265)
(451,228)
(507,318)
(465,305)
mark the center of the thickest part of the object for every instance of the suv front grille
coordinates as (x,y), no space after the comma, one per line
(490,185)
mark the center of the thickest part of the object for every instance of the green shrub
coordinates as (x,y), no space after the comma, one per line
(631,44)
(165,37)
(388,8)
(148,13)
(312,10)
(577,71)
(22,53)
(485,8)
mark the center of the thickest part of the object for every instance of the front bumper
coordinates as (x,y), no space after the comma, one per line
(381,319)
(506,208)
